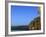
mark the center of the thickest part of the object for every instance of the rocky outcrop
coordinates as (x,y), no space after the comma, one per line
(35,24)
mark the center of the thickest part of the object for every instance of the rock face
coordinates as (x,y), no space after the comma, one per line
(35,24)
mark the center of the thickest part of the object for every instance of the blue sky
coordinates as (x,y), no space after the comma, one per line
(23,15)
